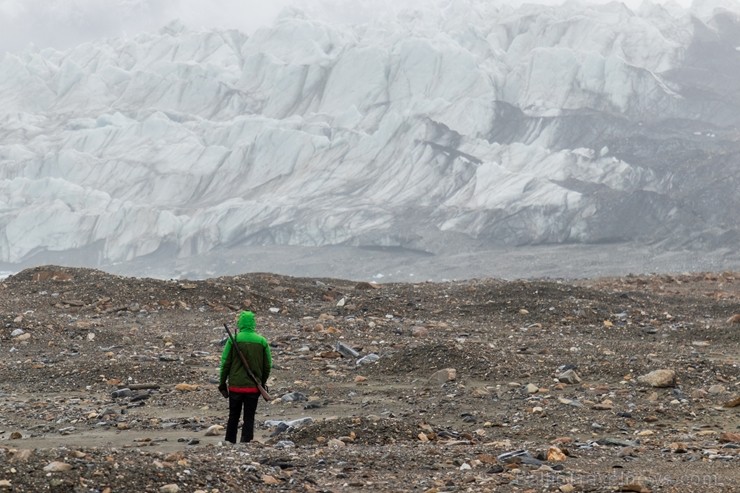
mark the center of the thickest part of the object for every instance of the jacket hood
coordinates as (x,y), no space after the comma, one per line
(246,321)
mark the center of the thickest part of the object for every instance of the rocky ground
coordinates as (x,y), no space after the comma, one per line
(107,384)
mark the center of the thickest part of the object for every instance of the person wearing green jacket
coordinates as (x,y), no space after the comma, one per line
(242,390)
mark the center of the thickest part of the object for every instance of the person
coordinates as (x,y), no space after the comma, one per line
(242,390)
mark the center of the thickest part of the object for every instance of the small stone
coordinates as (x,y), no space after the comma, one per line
(628,452)
(267,479)
(169,488)
(360,379)
(124,392)
(419,332)
(17,332)
(699,394)
(567,488)
(294,397)
(214,431)
(443,376)
(659,378)
(57,466)
(569,377)
(370,358)
(16,435)
(618,442)
(679,448)
(554,454)
(735,319)
(605,405)
(487,459)
(186,387)
(336,443)
(346,351)
(23,337)
(717,389)
(635,487)
(531,388)
(735,402)
(23,454)
(729,437)
(5,484)
(426,427)
(330,355)
(569,402)
(480,392)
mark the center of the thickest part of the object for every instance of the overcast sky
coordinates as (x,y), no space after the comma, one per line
(64,23)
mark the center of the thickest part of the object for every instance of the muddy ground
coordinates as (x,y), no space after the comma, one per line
(481,385)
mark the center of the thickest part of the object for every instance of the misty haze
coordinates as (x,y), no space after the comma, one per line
(473,139)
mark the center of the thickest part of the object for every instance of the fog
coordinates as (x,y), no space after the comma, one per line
(64,23)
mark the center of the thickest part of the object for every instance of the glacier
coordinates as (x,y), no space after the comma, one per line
(471,127)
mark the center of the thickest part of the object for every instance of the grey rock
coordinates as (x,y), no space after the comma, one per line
(569,377)
(125,392)
(294,397)
(616,442)
(508,456)
(346,351)
(294,423)
(281,427)
(370,358)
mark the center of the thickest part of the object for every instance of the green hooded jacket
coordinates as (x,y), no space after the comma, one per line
(255,349)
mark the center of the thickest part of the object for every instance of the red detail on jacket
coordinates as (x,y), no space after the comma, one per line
(244,390)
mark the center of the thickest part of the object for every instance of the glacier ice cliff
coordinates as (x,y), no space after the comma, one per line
(440,130)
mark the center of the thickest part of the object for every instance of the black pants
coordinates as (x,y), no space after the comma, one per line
(236,402)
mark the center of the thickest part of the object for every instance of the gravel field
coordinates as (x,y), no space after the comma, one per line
(632,383)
